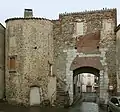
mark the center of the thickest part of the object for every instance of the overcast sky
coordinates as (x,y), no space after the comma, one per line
(51,8)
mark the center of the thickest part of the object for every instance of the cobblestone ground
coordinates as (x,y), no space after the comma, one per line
(87,107)
(84,107)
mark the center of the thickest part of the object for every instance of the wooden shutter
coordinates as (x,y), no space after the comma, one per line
(12,63)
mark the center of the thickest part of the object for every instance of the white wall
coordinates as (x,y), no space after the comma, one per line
(52,88)
(86,80)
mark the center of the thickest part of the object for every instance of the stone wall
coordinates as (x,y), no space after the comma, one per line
(31,41)
(108,41)
(2,58)
(40,44)
(72,25)
(118,58)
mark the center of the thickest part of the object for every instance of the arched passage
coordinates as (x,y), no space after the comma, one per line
(86,82)
(82,63)
(86,69)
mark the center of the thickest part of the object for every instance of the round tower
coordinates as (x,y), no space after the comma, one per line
(29,52)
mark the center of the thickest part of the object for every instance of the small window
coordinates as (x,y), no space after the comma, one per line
(89,75)
(50,68)
(95,80)
(78,89)
(12,64)
(79,28)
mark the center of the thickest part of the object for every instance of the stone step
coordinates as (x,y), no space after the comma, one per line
(59,89)
(60,99)
(60,95)
(58,106)
(60,92)
(59,103)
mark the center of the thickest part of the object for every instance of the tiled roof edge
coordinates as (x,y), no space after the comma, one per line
(55,20)
(22,18)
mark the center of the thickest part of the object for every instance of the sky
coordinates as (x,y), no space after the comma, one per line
(50,9)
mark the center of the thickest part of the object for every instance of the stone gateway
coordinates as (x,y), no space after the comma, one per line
(50,53)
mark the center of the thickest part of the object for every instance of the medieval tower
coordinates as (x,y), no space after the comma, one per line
(43,55)
(85,43)
(29,53)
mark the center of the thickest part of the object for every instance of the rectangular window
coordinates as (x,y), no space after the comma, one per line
(12,42)
(89,75)
(12,64)
(50,68)
(107,25)
(79,28)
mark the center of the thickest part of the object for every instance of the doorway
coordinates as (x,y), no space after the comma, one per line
(34,96)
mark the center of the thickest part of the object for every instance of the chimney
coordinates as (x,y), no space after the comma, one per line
(28,13)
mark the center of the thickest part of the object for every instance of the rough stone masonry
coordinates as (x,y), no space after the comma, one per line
(74,27)
(38,49)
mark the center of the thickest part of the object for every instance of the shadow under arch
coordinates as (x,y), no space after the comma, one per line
(86,69)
